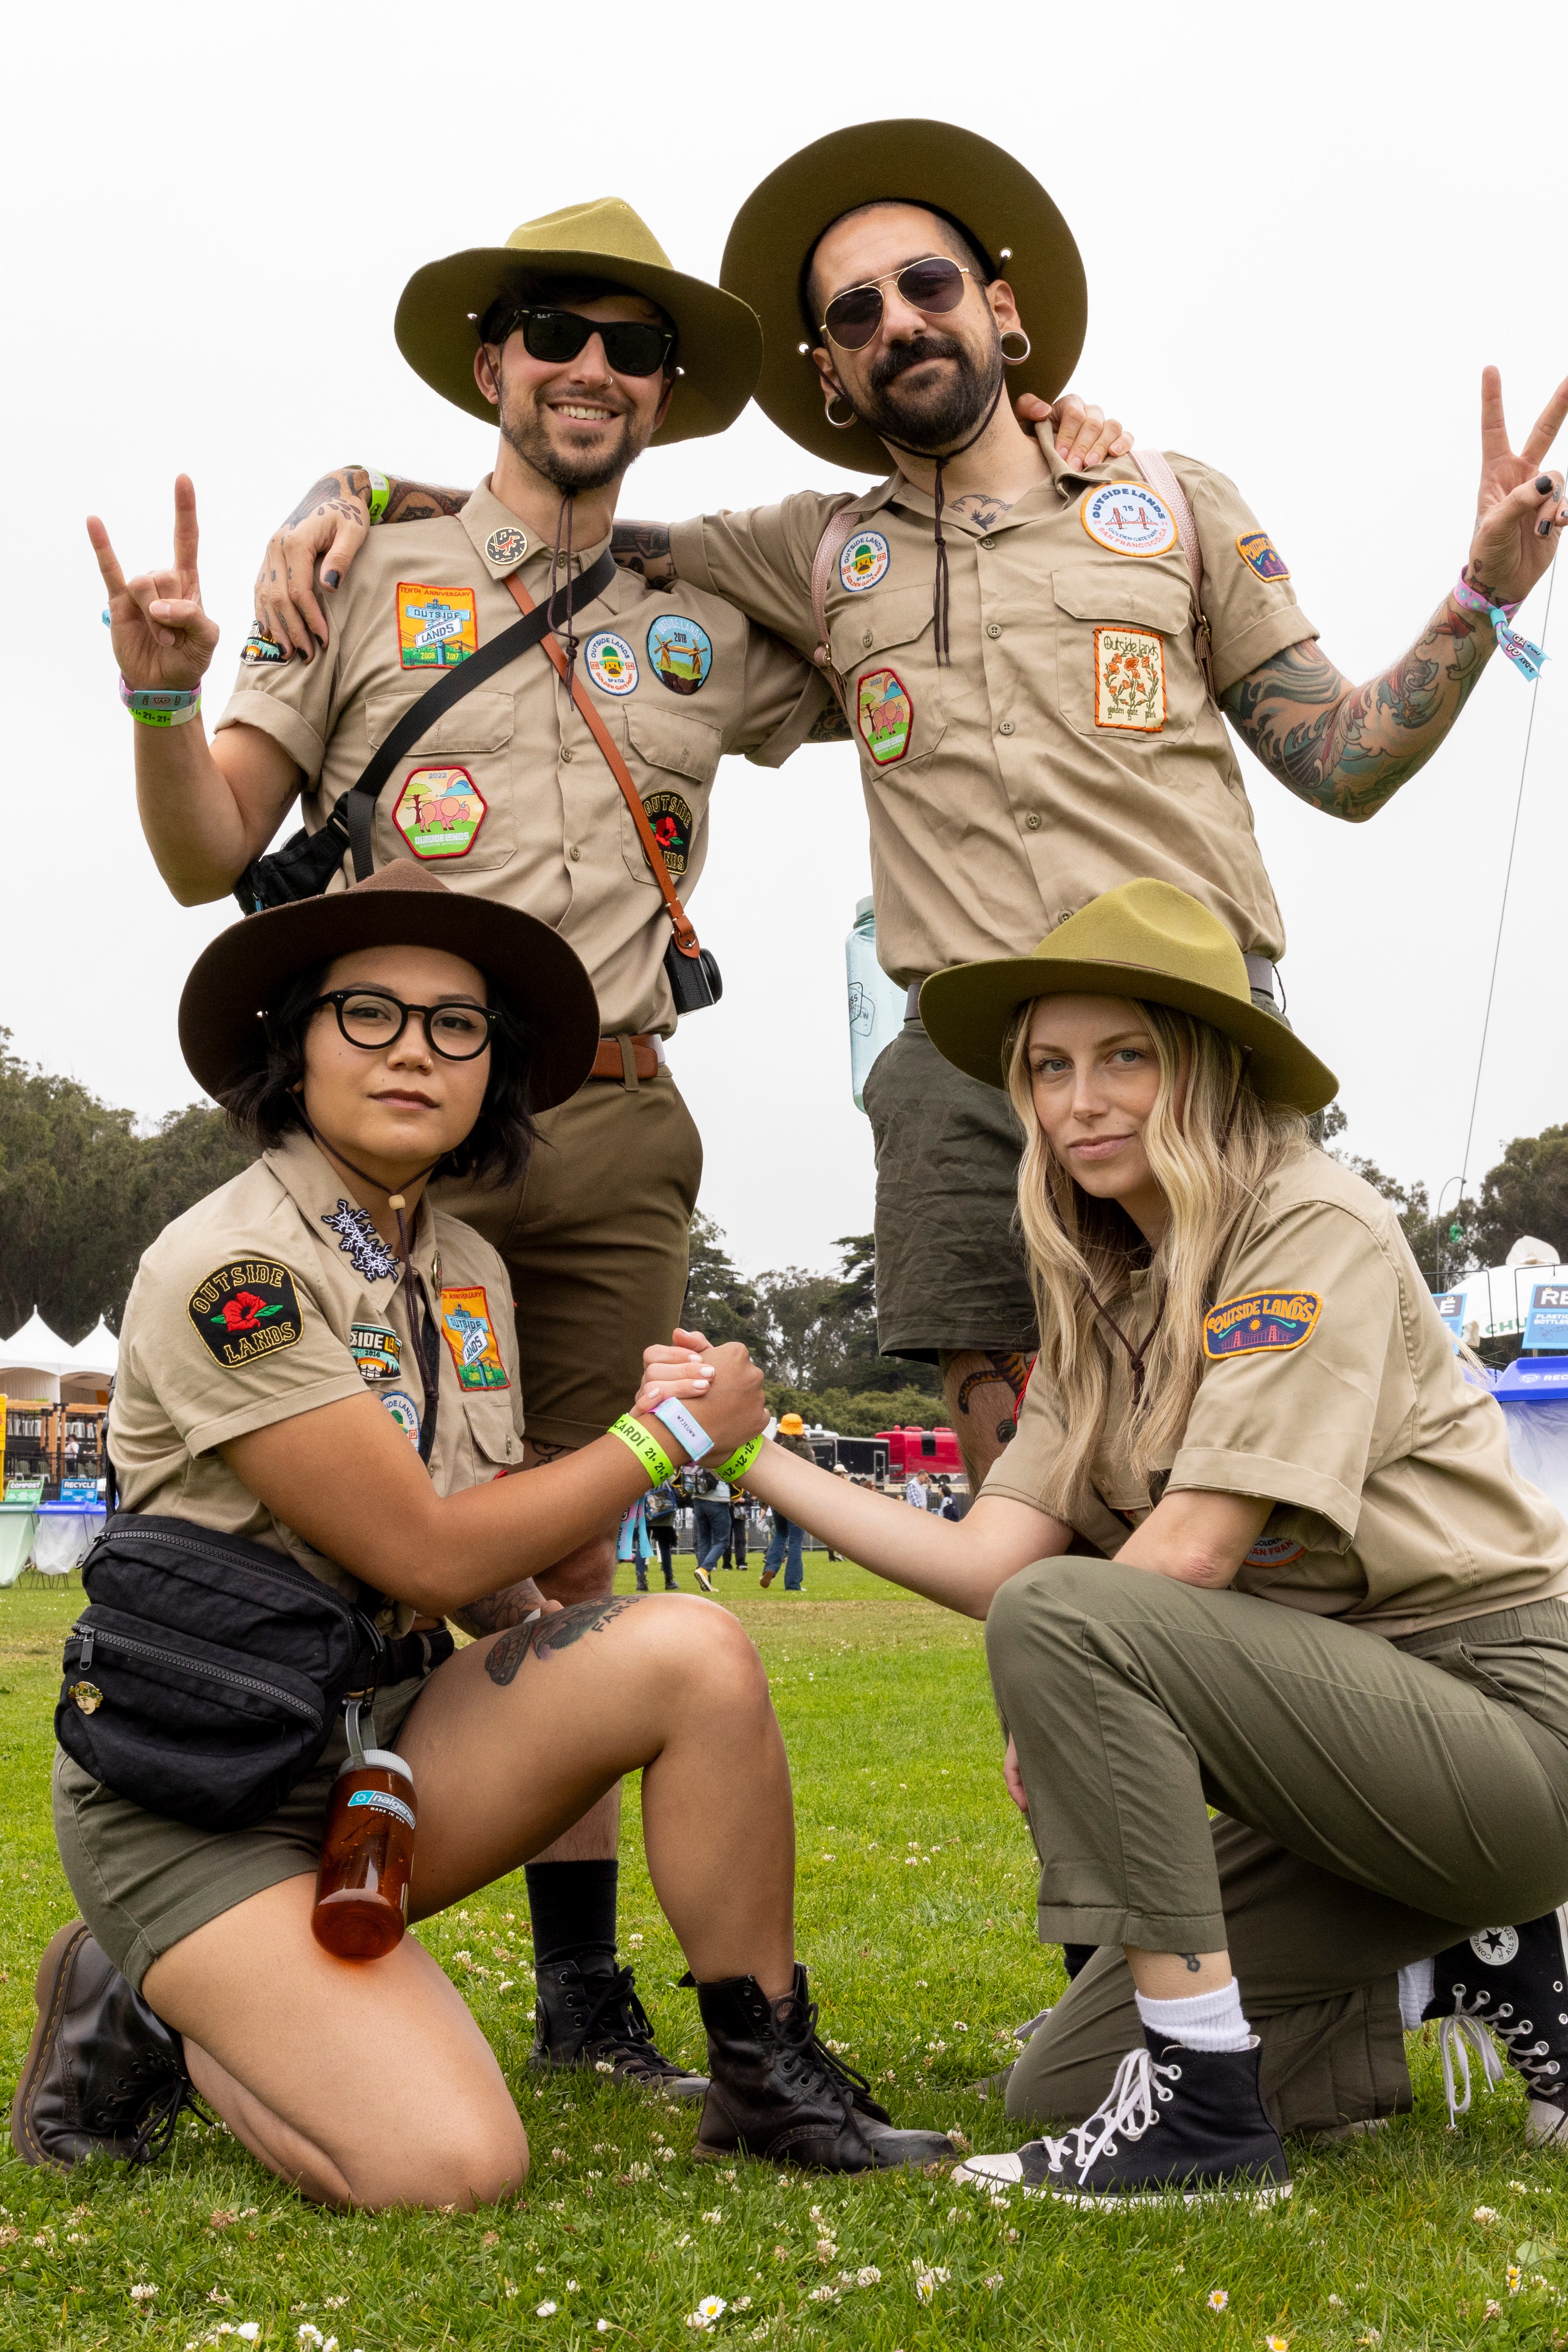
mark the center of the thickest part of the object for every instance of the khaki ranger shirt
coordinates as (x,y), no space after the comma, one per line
(1330,1384)
(1071,746)
(508,796)
(276,1294)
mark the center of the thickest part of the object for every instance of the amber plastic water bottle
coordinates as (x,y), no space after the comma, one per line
(367,1858)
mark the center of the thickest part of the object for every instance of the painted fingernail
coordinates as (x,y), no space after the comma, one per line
(1544,483)
(1541,528)
(329,579)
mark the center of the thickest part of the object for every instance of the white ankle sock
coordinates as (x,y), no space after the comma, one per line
(1416,1982)
(1204,2020)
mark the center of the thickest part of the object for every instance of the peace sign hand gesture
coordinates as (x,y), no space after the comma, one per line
(1519,509)
(160,634)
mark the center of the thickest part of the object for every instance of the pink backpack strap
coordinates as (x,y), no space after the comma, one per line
(842,525)
(1157,472)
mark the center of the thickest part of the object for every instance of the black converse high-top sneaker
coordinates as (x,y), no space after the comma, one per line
(1511,1982)
(1188,2122)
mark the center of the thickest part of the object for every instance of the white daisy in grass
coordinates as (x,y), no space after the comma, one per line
(1218,2298)
(707,2313)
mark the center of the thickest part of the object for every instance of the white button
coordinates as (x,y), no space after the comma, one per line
(1006,728)
(1033,821)
(566,751)
(574,853)
(992,628)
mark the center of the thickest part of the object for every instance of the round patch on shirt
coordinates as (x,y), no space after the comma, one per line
(612,665)
(670,817)
(507,545)
(1128,518)
(864,561)
(439,811)
(1274,1551)
(681,652)
(244,1310)
(405,1413)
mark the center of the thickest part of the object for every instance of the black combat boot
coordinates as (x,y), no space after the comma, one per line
(1189,2121)
(1513,1982)
(104,2077)
(780,2093)
(587,2015)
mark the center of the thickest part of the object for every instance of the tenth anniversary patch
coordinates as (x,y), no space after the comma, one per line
(245,1311)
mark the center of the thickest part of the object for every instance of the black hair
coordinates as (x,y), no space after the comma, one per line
(970,249)
(264,1106)
(497,322)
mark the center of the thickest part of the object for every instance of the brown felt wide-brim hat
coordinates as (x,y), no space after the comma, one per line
(237,980)
(719,343)
(1002,205)
(1147,941)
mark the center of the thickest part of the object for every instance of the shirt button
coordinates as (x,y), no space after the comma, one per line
(1033,821)
(988,543)
(992,628)
(566,751)
(866,640)
(574,853)
(1006,728)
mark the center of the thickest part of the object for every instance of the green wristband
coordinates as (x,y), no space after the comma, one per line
(740,1461)
(648,1451)
(380,494)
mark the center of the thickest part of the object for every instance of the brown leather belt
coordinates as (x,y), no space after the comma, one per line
(627,1058)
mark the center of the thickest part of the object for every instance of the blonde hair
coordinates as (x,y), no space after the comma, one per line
(1211,1142)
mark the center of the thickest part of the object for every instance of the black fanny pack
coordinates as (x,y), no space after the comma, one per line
(206,1676)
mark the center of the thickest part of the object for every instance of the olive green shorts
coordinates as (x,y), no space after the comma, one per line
(144,1883)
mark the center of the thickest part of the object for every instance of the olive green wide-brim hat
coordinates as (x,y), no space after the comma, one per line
(719,343)
(1148,941)
(242,974)
(1002,205)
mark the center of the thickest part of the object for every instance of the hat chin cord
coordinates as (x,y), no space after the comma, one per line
(396,1202)
(941,600)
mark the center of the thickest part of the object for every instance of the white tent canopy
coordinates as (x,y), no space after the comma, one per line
(98,1354)
(32,1359)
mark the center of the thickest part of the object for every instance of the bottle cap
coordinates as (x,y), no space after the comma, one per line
(387,1757)
(863,907)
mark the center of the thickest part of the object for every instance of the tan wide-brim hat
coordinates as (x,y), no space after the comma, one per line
(237,980)
(1002,205)
(1146,939)
(719,343)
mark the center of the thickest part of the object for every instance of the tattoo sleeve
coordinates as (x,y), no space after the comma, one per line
(829,726)
(548,1634)
(1347,749)
(413,501)
(645,546)
(498,1610)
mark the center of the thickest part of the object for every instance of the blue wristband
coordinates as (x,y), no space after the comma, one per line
(684,1431)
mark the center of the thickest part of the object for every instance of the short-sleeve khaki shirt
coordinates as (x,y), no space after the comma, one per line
(1071,745)
(508,796)
(275,1296)
(1330,1384)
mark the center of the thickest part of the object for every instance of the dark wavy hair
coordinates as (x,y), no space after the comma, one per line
(263,1106)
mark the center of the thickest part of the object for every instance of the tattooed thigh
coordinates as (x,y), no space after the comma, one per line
(546,1636)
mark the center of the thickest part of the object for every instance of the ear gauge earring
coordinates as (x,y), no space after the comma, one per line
(842,424)
(1014,359)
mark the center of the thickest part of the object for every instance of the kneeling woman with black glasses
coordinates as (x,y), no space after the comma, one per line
(315,1413)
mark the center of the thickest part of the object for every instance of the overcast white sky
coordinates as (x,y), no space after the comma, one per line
(1305,232)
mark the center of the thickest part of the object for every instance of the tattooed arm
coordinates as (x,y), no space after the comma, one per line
(495,1611)
(327,527)
(645,546)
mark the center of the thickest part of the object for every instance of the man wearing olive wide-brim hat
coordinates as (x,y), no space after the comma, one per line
(1025,651)
(589,346)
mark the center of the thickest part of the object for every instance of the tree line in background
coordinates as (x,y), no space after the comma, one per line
(82,1194)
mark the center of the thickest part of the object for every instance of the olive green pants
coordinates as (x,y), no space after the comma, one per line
(1377,1800)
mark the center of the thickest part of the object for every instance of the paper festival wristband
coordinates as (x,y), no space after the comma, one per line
(380,494)
(684,1431)
(1526,657)
(648,1450)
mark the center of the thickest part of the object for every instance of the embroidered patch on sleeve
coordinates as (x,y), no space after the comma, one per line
(1256,547)
(245,1310)
(468,1331)
(375,1349)
(436,627)
(1129,681)
(885,715)
(259,648)
(439,811)
(1264,1321)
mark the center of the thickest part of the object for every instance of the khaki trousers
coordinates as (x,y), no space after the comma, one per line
(597,1240)
(1378,1800)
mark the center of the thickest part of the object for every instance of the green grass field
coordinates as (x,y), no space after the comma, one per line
(916,1918)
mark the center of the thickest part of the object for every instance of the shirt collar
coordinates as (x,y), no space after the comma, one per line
(339,1224)
(502,542)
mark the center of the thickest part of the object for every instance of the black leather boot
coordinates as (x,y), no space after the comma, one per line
(779,2093)
(587,2015)
(104,2077)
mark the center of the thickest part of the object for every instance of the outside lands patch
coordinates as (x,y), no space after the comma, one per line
(245,1310)
(1264,1321)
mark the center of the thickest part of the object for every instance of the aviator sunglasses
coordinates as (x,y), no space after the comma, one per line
(933,285)
(374,1019)
(632,346)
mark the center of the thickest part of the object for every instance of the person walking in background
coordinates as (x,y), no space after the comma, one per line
(709,1523)
(660,1523)
(915,1494)
(735,1550)
(783,1544)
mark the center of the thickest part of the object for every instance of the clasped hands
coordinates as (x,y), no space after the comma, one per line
(722,1385)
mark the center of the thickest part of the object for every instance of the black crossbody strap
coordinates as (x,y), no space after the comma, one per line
(356,809)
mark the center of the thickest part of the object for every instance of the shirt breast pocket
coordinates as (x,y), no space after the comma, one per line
(1126,670)
(486,1446)
(883,647)
(673,760)
(448,804)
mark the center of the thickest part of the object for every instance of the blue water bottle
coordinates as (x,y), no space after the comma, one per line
(876,1002)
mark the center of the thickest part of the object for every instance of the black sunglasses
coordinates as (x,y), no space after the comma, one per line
(632,346)
(374,1019)
(934,286)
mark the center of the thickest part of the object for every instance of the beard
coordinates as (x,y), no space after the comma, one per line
(939,416)
(527,434)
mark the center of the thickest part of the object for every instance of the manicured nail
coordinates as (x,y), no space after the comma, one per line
(1541,528)
(1544,483)
(329,579)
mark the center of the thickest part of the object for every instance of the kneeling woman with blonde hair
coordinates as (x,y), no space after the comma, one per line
(1258,1545)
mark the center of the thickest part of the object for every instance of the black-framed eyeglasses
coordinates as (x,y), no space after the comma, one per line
(374,1019)
(632,346)
(934,286)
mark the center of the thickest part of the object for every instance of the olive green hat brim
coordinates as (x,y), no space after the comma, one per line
(718,347)
(919,162)
(969,1010)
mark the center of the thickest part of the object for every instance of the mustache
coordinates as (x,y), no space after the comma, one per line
(896,360)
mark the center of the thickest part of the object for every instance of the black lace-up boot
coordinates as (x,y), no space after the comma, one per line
(780,2093)
(587,2015)
(104,2077)
(1188,2121)
(1511,1982)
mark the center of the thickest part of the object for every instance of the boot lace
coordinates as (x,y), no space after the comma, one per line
(616,2017)
(1133,2108)
(805,2060)
(1466,2030)
(156,2112)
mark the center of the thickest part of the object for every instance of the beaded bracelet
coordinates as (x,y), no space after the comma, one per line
(1519,650)
(648,1450)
